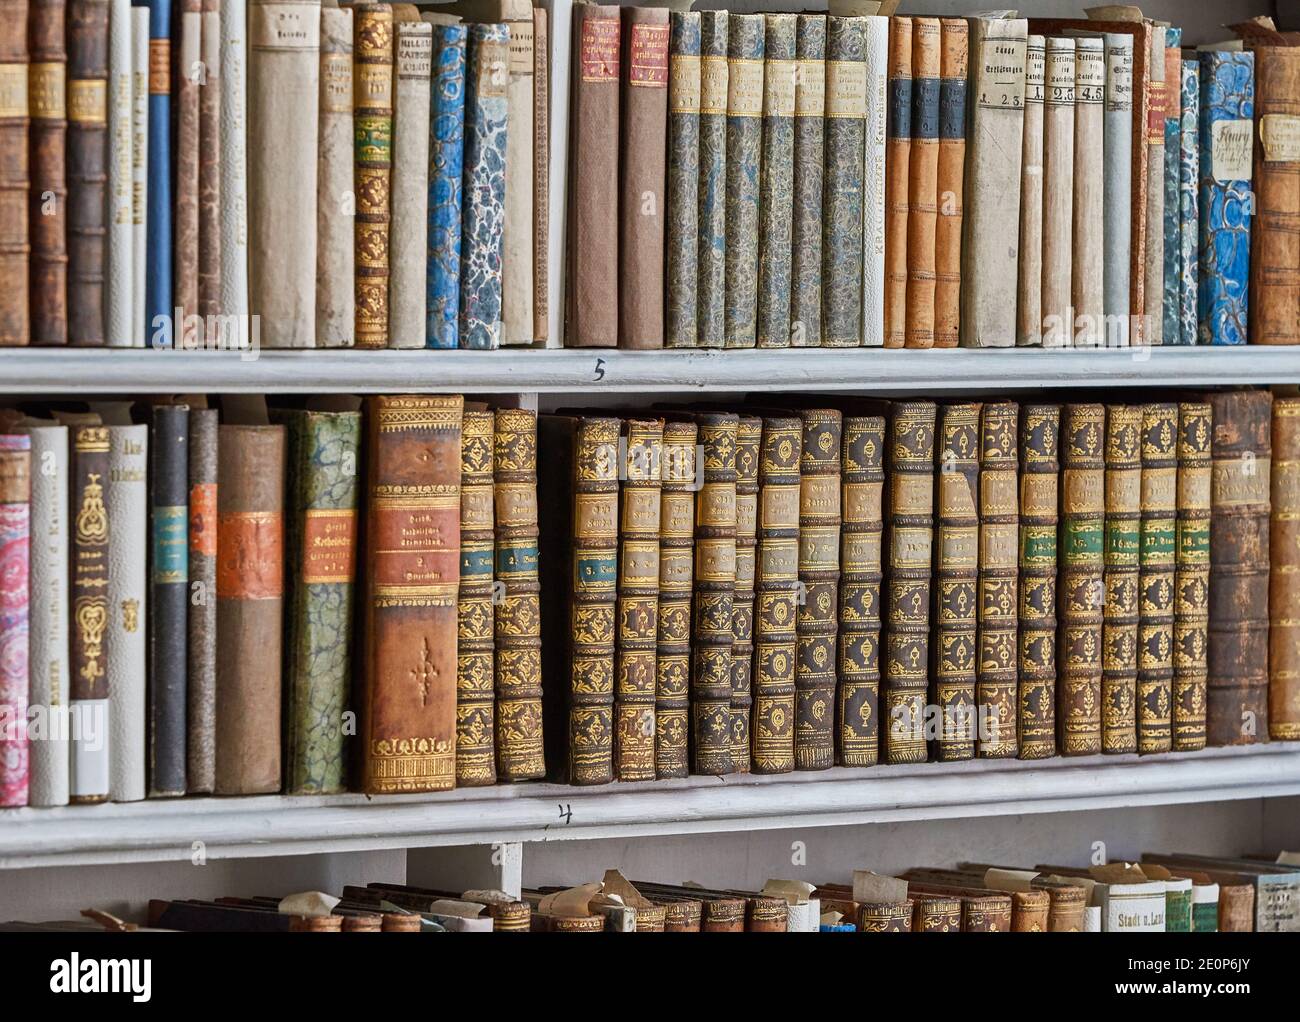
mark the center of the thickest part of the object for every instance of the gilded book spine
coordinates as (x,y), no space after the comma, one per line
(776,186)
(168,597)
(372,83)
(745,37)
(1274,265)
(999,516)
(808,182)
(923,176)
(475,758)
(1156,577)
(711,314)
(749,442)
(15,539)
(201,620)
(1029,288)
(951,172)
(673,632)
(898,148)
(1123,542)
(87,168)
(845,140)
(681,325)
(46,89)
(1284,579)
(1040,427)
(89,568)
(1192,575)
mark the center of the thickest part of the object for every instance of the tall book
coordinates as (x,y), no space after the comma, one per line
(46,91)
(336,308)
(1171,331)
(522,139)
(201,641)
(1117,190)
(898,150)
(408,730)
(995,633)
(90,615)
(87,33)
(923,171)
(745,38)
(1156,577)
(1284,578)
(875,46)
(475,610)
(953,59)
(909,536)
(1157,110)
(140,168)
(322,452)
(187,39)
(1192,574)
(711,305)
(1189,203)
(776,183)
(541,156)
(749,443)
(446,169)
(15,113)
(1040,428)
(15,539)
(372,106)
(673,627)
(808,181)
(234,172)
(408,234)
(683,181)
(1275,265)
(169,597)
(1058,190)
(210,165)
(844,147)
(1087,289)
(1119,634)
(127,500)
(857,715)
(1029,280)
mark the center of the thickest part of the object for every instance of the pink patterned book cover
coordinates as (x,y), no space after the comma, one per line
(15,531)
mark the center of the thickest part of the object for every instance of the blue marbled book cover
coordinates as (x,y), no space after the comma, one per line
(806,230)
(446,165)
(1189,174)
(744,155)
(711,314)
(1173,210)
(845,144)
(776,187)
(683,177)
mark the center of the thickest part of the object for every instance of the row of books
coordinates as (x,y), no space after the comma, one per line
(843,181)
(842,582)
(204,173)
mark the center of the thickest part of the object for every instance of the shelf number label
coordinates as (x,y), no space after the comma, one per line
(599,371)
(566,812)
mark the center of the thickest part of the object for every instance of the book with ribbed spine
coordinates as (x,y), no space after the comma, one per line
(898,150)
(408,232)
(776,184)
(711,314)
(91,534)
(673,631)
(844,148)
(681,326)
(15,540)
(1172,226)
(999,524)
(1284,576)
(446,168)
(923,176)
(372,78)
(16,112)
(336,313)
(475,619)
(1123,542)
(87,33)
(1189,202)
(749,443)
(1192,575)
(45,221)
(127,500)
(953,59)
(169,597)
(745,38)
(201,621)
(1040,427)
(808,181)
(1156,577)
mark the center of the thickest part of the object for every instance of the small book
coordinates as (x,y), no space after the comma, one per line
(749,442)
(776,185)
(898,149)
(140,165)
(711,315)
(1029,280)
(118,313)
(372,83)
(683,180)
(336,308)
(844,147)
(998,580)
(475,606)
(409,230)
(446,169)
(1157,111)
(201,644)
(953,59)
(169,597)
(673,627)
(234,173)
(1192,575)
(875,46)
(1156,577)
(1040,428)
(15,539)
(87,33)
(1119,635)
(808,181)
(745,38)
(923,177)
(21,91)
(1117,191)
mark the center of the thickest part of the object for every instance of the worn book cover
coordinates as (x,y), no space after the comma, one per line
(745,38)
(15,539)
(898,148)
(844,147)
(169,597)
(1156,559)
(40,224)
(673,627)
(776,184)
(711,312)
(1040,427)
(923,182)
(808,181)
(89,613)
(1284,580)
(1121,555)
(1192,574)
(749,441)
(475,607)
(998,579)
(372,80)
(683,181)
(87,34)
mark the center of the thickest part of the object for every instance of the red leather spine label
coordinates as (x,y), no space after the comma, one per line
(203,519)
(649,56)
(600,39)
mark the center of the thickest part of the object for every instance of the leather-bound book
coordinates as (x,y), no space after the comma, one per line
(637,612)
(727,911)
(1058,191)
(1081,588)
(1237,695)
(413,543)
(956,578)
(187,31)
(844,147)
(1119,634)
(745,39)
(933,913)
(15,537)
(776,602)
(372,106)
(234,170)
(875,48)
(446,169)
(1170,331)
(1157,108)
(409,230)
(1029,281)
(1156,577)
(87,33)
(923,171)
(517,616)
(954,42)
(210,164)
(323,450)
(998,130)
(808,181)
(1284,580)
(898,150)
(1039,445)
(169,597)
(673,631)
(819,574)
(1189,216)
(886,918)
(1192,575)
(250,588)
(1117,190)
(1275,885)
(335,253)
(16,250)
(909,536)
(643,121)
(158,227)
(1275,259)
(749,443)
(1087,274)
(683,181)
(858,703)
(711,315)
(776,185)
(90,614)
(999,525)
(201,644)
(591,316)
(475,609)
(981,911)
(47,85)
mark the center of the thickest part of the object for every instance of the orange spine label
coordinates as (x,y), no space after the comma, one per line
(329,546)
(203,519)
(250,555)
(160,67)
(416,550)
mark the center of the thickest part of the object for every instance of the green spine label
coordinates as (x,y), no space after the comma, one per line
(171,540)
(1037,544)
(1158,542)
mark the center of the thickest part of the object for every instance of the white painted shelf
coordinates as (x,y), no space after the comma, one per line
(167,830)
(592,371)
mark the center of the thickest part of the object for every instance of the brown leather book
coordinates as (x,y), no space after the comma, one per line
(1284,580)
(185,154)
(682,916)
(49,138)
(898,149)
(1120,616)
(727,911)
(15,247)
(923,175)
(372,70)
(1156,577)
(673,638)
(210,163)
(408,731)
(87,32)
(1033,910)
(935,913)
(1192,574)
(1039,446)
(999,579)
(951,171)
(749,442)
(475,675)
(886,918)
(981,911)
(1237,696)
(1275,232)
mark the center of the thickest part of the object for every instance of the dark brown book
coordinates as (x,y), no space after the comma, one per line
(87,33)
(475,675)
(1039,444)
(16,105)
(1155,677)
(726,911)
(1275,233)
(185,154)
(91,539)
(49,194)
(894,918)
(676,580)
(1284,579)
(749,442)
(999,577)
(982,911)
(1192,575)
(201,645)
(1045,908)
(1123,543)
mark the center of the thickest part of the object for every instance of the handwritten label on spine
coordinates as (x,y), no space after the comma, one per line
(648,53)
(1230,147)
(599,56)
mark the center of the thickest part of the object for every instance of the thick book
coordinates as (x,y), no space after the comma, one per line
(201,625)
(87,34)
(90,615)
(16,249)
(15,538)
(336,308)
(1284,579)
(1275,259)
(898,149)
(953,59)
(1058,191)
(1029,277)
(1119,633)
(844,147)
(1117,191)
(408,728)
(323,449)
(749,443)
(1171,331)
(46,91)
(745,38)
(127,501)
(711,312)
(475,606)
(210,165)
(673,627)
(1154,250)
(923,175)
(234,173)
(1156,556)
(1040,428)
(446,169)
(808,181)
(1087,272)
(875,49)
(187,40)
(683,181)
(776,183)
(372,122)
(1192,574)
(1189,202)
(169,597)
(408,236)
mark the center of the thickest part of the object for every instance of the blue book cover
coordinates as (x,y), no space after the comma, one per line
(1189,174)
(1173,209)
(158,239)
(446,165)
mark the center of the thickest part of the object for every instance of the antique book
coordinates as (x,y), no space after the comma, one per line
(1117,189)
(1227,111)
(320,568)
(745,38)
(1189,180)
(956,577)
(886,918)
(518,241)
(15,537)
(636,618)
(1284,578)
(372,122)
(955,35)
(475,609)
(1237,658)
(1275,886)
(898,148)
(1119,634)
(683,181)
(336,300)
(234,172)
(1171,330)
(1132,904)
(1192,575)
(816,612)
(1205,907)
(409,195)
(982,911)
(250,588)
(711,317)
(284,131)
(1087,273)
(1156,577)
(749,444)
(187,38)
(875,48)
(87,34)
(808,181)
(1275,261)
(158,255)
(169,595)
(909,528)
(90,769)
(201,625)
(210,166)
(922,193)
(776,601)
(776,181)
(541,156)
(673,627)
(1029,280)
(446,168)
(591,276)
(140,168)
(408,729)
(120,256)
(857,741)
(642,119)
(998,578)
(517,623)
(46,92)
(1040,427)
(1157,108)
(842,220)
(17,84)
(1058,191)
(127,500)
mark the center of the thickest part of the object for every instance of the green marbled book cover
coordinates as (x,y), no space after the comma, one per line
(744,155)
(711,316)
(776,195)
(683,178)
(806,229)
(846,125)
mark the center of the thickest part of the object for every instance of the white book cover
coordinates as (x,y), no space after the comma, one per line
(875,44)
(1132,908)
(234,170)
(119,314)
(560,32)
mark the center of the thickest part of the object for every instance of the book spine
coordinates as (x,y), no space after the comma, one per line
(956,577)
(1171,330)
(1123,543)
(858,740)
(168,596)
(1087,286)
(1156,577)
(117,329)
(158,270)
(1189,227)
(1029,287)
(711,316)
(1058,191)
(673,631)
(127,500)
(1040,427)
(90,615)
(517,622)
(1117,191)
(372,106)
(234,173)
(15,539)
(776,184)
(475,617)
(139,169)
(682,214)
(808,181)
(201,646)
(886,918)
(336,309)
(845,147)
(637,614)
(1284,580)
(909,538)
(643,118)
(541,174)
(210,165)
(923,176)
(413,543)
(47,94)
(999,518)
(187,40)
(408,240)
(749,443)
(1274,279)
(1081,579)
(87,33)
(1154,265)
(323,449)
(745,37)
(1192,575)
(953,61)
(17,109)
(898,151)
(517,239)
(446,168)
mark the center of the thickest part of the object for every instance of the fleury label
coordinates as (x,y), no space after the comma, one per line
(1002,82)
(744,88)
(1230,148)
(493,65)
(846,88)
(48,91)
(648,56)
(1280,134)
(249,555)
(13,90)
(810,88)
(779,81)
(684,85)
(329,545)
(88,101)
(714,76)
(599,50)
